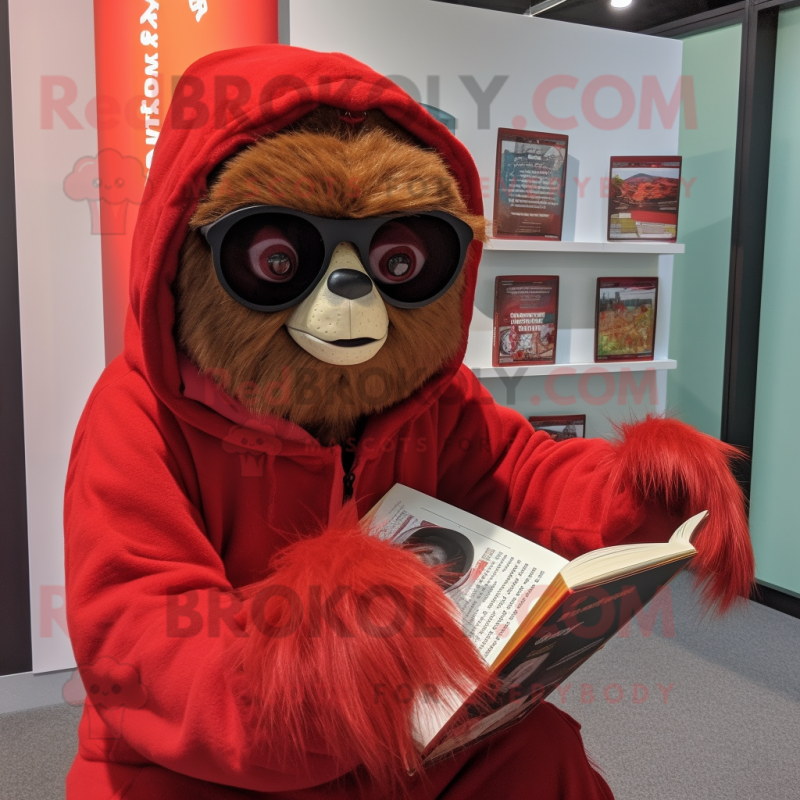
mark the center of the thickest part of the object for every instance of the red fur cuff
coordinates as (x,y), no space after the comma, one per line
(670,463)
(343,638)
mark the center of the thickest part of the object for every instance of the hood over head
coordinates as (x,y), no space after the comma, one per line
(223,104)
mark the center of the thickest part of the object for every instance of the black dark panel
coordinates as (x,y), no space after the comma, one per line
(639,16)
(511,6)
(780,601)
(15,619)
(708,20)
(751,183)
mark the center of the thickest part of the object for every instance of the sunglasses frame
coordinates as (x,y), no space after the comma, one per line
(358,232)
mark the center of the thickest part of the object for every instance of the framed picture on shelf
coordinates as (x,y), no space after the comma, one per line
(625,319)
(568,426)
(525,320)
(529,185)
(643,198)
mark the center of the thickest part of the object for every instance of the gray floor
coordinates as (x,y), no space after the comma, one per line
(730,726)
(36,749)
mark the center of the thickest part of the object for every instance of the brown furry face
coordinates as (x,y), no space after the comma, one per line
(323,167)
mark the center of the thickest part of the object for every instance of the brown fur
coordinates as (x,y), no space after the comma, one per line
(330,169)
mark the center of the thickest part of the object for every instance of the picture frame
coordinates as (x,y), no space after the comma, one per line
(530,176)
(561,427)
(644,198)
(626,311)
(525,328)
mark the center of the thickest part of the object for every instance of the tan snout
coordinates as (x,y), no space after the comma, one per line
(343,309)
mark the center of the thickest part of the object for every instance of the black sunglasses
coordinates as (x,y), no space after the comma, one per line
(270,258)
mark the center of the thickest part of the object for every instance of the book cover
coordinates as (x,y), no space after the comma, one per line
(533,616)
(560,428)
(581,623)
(525,320)
(529,184)
(625,321)
(643,197)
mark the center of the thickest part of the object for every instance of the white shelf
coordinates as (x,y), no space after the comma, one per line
(522,371)
(638,248)
(478,358)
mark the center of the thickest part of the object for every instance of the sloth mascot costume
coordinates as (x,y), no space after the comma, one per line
(302,281)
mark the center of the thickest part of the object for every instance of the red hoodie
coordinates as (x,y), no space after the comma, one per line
(161,500)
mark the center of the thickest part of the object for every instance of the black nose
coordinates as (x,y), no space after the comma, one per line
(349,283)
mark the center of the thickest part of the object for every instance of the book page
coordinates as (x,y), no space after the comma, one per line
(494,576)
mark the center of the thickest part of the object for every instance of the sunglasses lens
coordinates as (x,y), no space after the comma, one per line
(271,259)
(414,259)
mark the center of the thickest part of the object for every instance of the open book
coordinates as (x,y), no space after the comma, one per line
(533,616)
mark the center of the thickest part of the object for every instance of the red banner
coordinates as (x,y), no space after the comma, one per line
(141,49)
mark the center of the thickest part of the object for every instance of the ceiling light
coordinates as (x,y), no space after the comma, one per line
(621,3)
(538,8)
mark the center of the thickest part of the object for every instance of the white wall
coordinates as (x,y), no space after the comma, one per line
(60,267)
(432,45)
(421,38)
(60,286)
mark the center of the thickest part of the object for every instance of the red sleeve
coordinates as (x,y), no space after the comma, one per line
(493,464)
(133,537)
(583,494)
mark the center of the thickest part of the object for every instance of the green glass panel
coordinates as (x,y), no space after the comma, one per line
(776,472)
(700,282)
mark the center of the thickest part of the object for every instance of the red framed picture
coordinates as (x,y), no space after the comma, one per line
(625,319)
(530,174)
(561,428)
(525,320)
(643,198)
